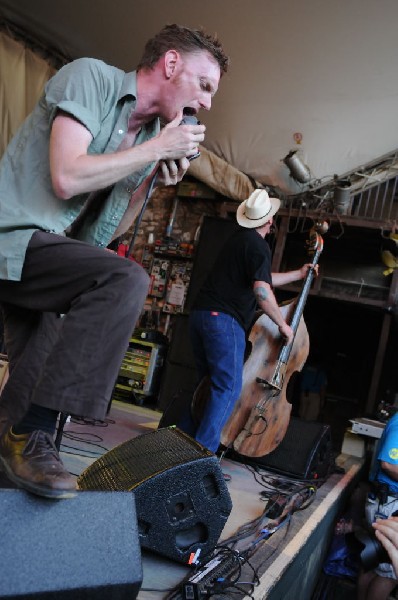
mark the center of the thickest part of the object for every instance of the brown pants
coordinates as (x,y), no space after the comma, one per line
(68,363)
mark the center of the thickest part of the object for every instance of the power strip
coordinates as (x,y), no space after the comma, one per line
(201,584)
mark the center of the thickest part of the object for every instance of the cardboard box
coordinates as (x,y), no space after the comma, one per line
(368,427)
(353,444)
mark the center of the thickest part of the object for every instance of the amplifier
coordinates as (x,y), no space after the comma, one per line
(140,370)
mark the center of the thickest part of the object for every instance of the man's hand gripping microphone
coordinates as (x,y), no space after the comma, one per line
(190,120)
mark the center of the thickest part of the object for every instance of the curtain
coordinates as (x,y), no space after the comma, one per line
(23,75)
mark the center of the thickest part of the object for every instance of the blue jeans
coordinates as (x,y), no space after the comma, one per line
(218,343)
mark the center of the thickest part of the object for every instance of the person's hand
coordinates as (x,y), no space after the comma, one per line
(386,531)
(172,171)
(286,332)
(177,141)
(305,268)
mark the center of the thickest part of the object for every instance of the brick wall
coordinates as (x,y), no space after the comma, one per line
(158,214)
(185,227)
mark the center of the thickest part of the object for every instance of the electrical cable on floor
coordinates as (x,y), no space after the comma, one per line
(86,437)
(299,499)
(83,438)
(72,450)
(269,480)
(92,422)
(274,549)
(282,496)
(156,590)
(220,573)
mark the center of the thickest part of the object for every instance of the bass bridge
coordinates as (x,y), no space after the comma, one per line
(277,379)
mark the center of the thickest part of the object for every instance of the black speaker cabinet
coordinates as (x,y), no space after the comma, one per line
(180,349)
(179,378)
(181,497)
(304,453)
(215,231)
(78,549)
(178,386)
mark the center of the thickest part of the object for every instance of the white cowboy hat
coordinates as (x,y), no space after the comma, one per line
(257,209)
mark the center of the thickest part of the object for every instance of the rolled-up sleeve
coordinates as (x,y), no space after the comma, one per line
(81,90)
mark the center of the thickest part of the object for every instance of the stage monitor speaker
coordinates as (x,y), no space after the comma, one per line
(181,497)
(304,453)
(85,547)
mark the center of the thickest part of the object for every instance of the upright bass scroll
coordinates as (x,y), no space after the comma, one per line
(262,413)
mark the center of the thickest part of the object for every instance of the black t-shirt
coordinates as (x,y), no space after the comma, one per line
(244,259)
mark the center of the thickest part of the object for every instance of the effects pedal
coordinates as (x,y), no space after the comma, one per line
(207,578)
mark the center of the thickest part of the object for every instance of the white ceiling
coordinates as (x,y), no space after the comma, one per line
(326,69)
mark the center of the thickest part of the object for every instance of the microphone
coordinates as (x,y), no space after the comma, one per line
(190,120)
(186,120)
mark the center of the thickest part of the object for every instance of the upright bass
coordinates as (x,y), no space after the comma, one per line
(261,415)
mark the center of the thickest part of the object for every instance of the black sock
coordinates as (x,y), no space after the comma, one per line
(37,417)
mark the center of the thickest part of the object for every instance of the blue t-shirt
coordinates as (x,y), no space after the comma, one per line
(387,452)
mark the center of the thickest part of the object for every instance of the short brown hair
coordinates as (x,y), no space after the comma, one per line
(184,40)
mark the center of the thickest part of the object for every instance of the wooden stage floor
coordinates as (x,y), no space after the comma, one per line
(287,564)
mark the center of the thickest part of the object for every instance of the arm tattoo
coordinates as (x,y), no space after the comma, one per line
(261,293)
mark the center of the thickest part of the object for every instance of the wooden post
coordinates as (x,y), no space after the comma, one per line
(381,350)
(280,245)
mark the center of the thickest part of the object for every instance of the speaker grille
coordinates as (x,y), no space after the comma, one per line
(133,462)
(181,497)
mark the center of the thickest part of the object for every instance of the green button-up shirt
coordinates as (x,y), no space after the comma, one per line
(102,98)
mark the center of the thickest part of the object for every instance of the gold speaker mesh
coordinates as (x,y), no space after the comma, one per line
(134,461)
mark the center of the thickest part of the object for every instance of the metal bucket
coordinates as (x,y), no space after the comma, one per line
(342,200)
